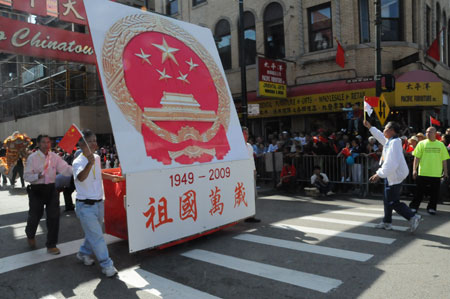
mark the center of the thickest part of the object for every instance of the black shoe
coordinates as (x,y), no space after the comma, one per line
(69,209)
(252,220)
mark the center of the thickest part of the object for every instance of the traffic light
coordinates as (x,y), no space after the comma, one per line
(389,82)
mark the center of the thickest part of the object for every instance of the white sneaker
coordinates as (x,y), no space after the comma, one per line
(414,222)
(383,225)
(330,193)
(342,179)
(348,179)
(431,211)
(110,271)
(414,210)
(86,259)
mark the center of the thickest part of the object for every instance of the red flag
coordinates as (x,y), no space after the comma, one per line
(340,55)
(369,103)
(434,121)
(70,139)
(433,50)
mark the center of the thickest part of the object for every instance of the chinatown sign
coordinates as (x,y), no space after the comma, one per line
(188,170)
(41,41)
(271,78)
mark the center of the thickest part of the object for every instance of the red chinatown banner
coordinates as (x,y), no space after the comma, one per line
(35,7)
(41,41)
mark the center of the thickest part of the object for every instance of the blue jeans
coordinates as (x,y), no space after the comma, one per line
(91,218)
(392,202)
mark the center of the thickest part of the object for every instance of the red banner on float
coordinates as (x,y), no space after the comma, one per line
(72,11)
(41,41)
(35,7)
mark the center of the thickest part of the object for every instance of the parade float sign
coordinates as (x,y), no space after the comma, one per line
(176,129)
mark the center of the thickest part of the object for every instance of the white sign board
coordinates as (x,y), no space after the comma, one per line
(172,113)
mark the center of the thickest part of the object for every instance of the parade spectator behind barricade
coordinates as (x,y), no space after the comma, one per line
(349,117)
(347,162)
(273,147)
(356,150)
(447,132)
(40,170)
(393,170)
(321,182)
(251,155)
(280,147)
(287,176)
(420,136)
(373,154)
(342,142)
(430,157)
(285,138)
(357,117)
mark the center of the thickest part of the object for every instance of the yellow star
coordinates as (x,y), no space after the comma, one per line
(167,51)
(163,74)
(183,78)
(144,57)
(191,65)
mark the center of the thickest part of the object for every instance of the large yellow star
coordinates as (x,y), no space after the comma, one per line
(167,52)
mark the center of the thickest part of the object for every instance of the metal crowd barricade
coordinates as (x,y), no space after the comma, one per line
(339,172)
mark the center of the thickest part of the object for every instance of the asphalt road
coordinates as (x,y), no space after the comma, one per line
(303,248)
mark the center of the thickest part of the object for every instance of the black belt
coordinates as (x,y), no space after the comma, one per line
(89,201)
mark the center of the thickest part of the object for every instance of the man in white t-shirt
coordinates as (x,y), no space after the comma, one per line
(321,182)
(88,177)
(250,153)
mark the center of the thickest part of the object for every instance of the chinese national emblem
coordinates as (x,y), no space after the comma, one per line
(169,88)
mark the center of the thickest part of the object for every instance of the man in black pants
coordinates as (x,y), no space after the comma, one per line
(40,171)
(18,170)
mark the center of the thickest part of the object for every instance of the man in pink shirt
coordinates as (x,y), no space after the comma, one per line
(40,171)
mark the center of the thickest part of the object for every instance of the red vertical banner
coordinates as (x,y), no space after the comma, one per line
(52,8)
(72,11)
(35,7)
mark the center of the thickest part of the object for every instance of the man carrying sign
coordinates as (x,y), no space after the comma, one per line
(393,170)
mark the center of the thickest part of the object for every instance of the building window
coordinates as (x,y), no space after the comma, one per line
(249,39)
(391,20)
(364,21)
(428,26)
(320,27)
(197,2)
(274,31)
(171,7)
(222,37)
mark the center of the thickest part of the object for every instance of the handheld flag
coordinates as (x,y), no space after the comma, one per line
(370,103)
(70,139)
(340,55)
(434,121)
(433,50)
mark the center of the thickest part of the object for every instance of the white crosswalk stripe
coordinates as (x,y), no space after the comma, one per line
(159,286)
(334,233)
(298,278)
(344,212)
(316,249)
(349,222)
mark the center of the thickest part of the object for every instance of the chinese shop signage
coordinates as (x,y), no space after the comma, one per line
(177,132)
(418,94)
(311,104)
(40,41)
(271,78)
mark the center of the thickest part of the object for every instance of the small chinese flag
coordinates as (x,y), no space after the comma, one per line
(70,139)
(370,103)
(340,55)
(434,121)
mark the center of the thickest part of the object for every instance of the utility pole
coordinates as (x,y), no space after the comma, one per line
(242,63)
(378,23)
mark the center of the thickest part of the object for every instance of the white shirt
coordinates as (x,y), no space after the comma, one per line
(92,186)
(250,153)
(393,166)
(324,177)
(48,165)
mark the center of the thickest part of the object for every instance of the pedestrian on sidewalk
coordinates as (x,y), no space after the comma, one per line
(88,177)
(430,157)
(40,171)
(393,169)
